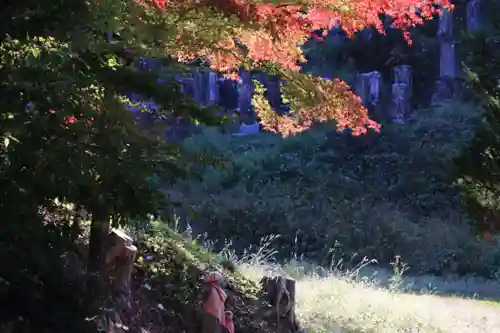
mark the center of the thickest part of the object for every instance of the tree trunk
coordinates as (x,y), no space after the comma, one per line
(75,227)
(99,230)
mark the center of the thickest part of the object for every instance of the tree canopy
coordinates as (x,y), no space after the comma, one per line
(230,34)
(67,67)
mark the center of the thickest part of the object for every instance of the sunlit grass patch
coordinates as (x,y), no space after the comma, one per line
(335,303)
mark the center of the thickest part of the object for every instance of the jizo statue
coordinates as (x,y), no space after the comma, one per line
(214,299)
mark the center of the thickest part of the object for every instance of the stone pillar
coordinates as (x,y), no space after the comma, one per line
(399,103)
(368,89)
(187,85)
(402,91)
(245,92)
(403,74)
(228,94)
(199,87)
(213,88)
(446,85)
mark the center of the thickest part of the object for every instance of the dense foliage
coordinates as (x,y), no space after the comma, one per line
(66,69)
(255,34)
(370,50)
(480,161)
(379,195)
(65,136)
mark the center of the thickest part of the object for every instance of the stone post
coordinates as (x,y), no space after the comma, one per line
(446,85)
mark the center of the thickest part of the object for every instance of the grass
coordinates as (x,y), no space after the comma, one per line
(367,299)
(489,303)
(329,300)
(336,303)
(166,286)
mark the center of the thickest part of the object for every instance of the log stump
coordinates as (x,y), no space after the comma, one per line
(279,293)
(120,258)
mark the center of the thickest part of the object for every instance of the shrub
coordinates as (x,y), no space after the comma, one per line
(42,289)
(378,195)
(479,163)
(332,302)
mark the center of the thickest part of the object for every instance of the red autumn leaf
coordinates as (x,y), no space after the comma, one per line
(230,33)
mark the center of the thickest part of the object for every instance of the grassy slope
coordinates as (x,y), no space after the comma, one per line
(166,287)
(170,266)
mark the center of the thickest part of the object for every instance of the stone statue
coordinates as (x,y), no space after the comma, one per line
(403,74)
(368,87)
(399,102)
(214,299)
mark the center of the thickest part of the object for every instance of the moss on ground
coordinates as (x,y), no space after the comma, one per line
(166,287)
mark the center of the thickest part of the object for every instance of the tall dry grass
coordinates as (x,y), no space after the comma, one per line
(368,301)
(336,304)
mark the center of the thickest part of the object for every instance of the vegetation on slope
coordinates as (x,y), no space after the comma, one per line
(324,193)
(329,300)
(480,161)
(170,265)
(167,283)
(337,303)
(66,136)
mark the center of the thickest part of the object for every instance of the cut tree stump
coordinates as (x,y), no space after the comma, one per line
(279,292)
(120,257)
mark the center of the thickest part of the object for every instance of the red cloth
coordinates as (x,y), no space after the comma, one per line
(214,305)
(228,322)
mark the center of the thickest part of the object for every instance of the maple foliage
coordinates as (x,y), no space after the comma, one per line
(229,34)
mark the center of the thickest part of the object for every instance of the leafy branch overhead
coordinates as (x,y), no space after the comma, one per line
(68,67)
(64,82)
(229,34)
